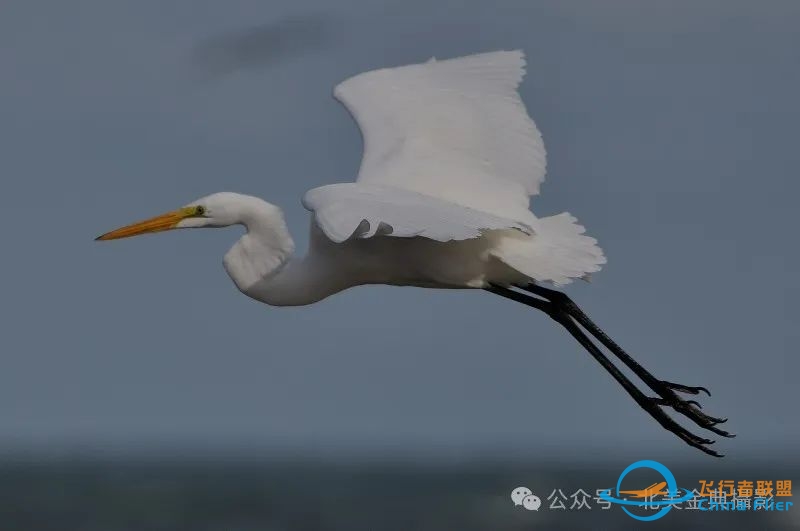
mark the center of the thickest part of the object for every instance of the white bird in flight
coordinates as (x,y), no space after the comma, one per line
(450,161)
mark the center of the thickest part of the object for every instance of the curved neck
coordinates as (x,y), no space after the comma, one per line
(299,282)
(262,267)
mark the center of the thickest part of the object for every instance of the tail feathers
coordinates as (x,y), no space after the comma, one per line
(557,252)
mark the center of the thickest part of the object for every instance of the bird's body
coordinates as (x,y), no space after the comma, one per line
(450,161)
(263,266)
(330,267)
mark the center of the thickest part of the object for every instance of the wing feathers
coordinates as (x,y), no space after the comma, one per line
(455,129)
(355,210)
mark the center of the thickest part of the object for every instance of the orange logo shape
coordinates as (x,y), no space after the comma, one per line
(656,489)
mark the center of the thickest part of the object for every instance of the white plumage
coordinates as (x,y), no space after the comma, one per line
(454,129)
(362,210)
(457,134)
(441,199)
(450,161)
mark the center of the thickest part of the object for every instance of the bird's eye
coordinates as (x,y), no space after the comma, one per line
(200,210)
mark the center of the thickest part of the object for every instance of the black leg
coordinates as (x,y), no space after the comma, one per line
(666,390)
(559,312)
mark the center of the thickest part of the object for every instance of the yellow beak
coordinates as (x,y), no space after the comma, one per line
(160,223)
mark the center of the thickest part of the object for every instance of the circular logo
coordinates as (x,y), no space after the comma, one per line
(666,505)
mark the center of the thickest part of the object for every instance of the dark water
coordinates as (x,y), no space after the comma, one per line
(220,495)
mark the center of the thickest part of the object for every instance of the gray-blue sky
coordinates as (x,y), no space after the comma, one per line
(671,133)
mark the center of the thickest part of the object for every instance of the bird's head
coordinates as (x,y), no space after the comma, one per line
(265,248)
(216,210)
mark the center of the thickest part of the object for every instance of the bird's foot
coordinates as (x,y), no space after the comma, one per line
(691,409)
(655,406)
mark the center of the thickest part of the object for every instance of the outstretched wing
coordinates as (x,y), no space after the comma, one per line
(454,129)
(360,210)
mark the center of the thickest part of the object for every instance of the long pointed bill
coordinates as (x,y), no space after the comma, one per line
(160,223)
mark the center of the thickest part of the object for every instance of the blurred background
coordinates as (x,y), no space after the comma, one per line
(140,390)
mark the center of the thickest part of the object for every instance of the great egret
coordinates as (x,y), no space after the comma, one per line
(441,201)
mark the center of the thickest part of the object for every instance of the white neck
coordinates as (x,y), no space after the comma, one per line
(261,263)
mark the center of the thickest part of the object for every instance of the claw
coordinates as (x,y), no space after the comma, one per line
(692,390)
(703,419)
(675,405)
(691,410)
(695,415)
(701,446)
